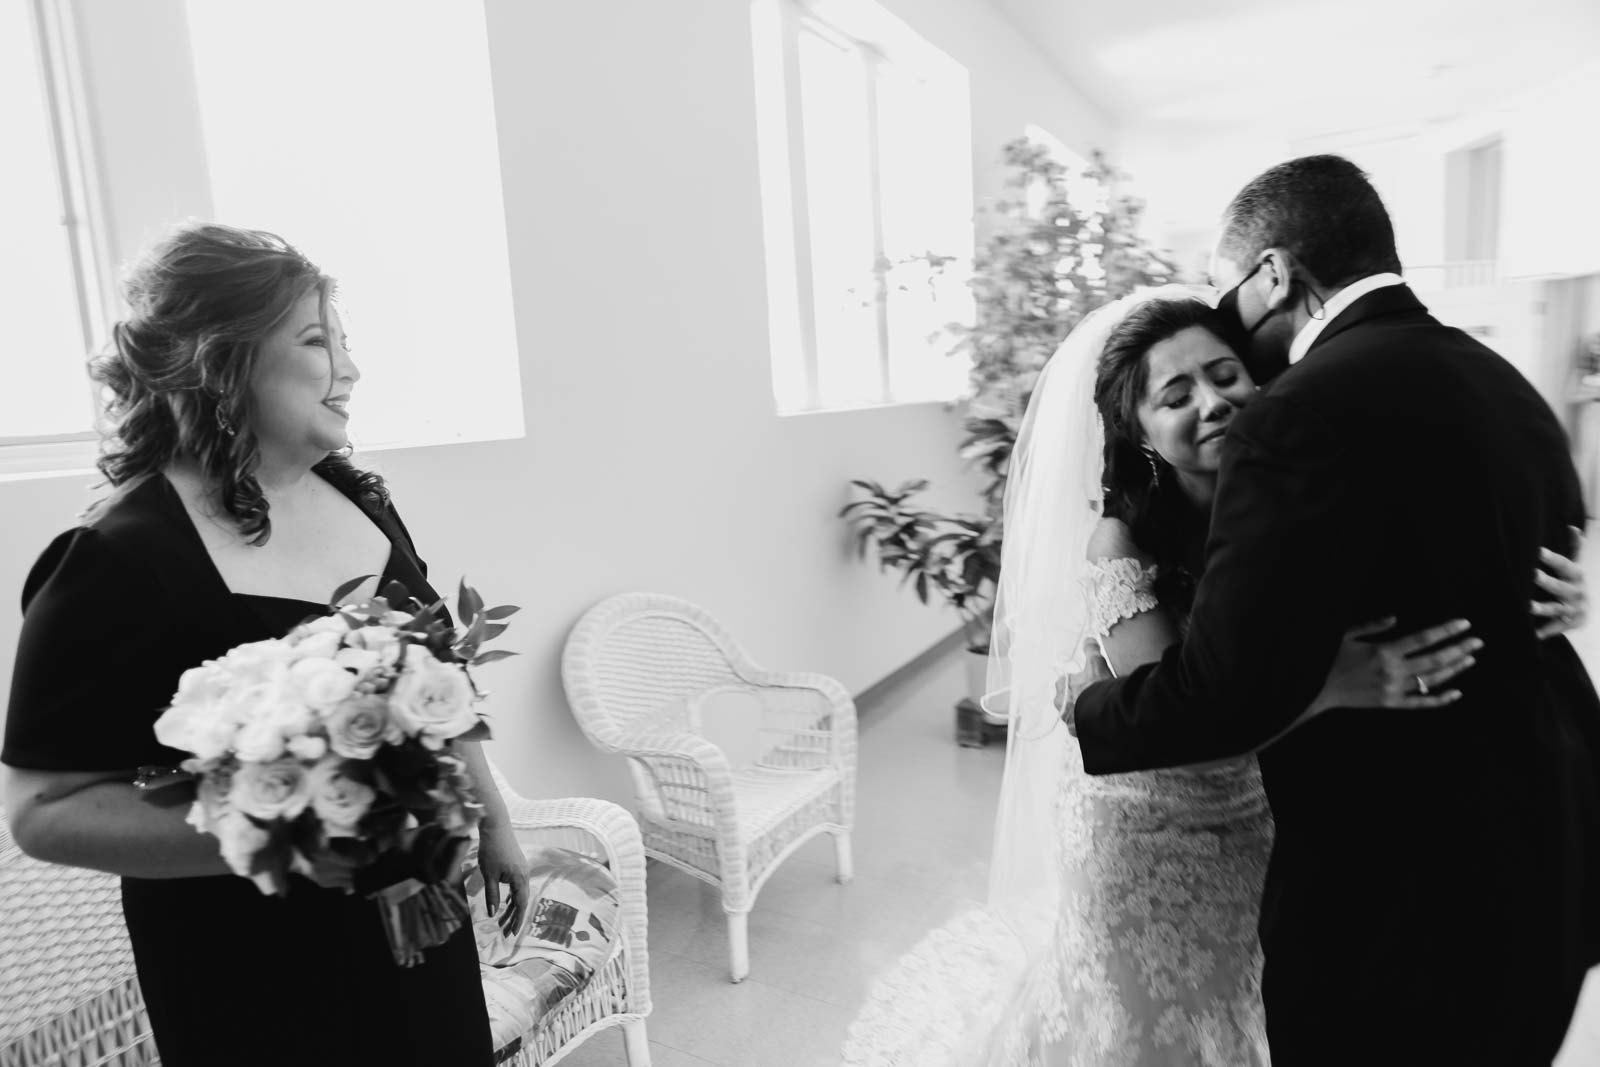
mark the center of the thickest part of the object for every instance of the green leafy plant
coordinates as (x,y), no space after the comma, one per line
(954,556)
(1061,244)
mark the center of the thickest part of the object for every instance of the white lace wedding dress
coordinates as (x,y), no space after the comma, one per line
(1152,956)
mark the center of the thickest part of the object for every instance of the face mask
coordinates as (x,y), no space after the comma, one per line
(1262,368)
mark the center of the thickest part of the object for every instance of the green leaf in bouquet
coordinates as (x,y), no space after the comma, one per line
(479,732)
(468,603)
(384,824)
(358,852)
(490,657)
(425,618)
(346,589)
(305,833)
(406,761)
(504,611)
(412,771)
(398,597)
(274,856)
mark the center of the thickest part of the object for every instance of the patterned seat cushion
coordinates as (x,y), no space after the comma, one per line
(571,932)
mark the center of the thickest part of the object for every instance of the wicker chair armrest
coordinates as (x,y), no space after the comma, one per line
(675,744)
(617,834)
(829,687)
(821,731)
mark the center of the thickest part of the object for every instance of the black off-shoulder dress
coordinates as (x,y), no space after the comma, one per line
(114,612)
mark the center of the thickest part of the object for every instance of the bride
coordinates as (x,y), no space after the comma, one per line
(1121,926)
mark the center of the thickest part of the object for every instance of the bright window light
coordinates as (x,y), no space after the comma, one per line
(866,167)
(48,394)
(365,135)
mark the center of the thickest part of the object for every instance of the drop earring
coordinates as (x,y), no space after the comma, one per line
(1155,464)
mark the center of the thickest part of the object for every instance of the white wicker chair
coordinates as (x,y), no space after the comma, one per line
(68,993)
(619,993)
(638,670)
(69,996)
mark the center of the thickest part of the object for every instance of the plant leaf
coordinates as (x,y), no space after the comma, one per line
(468,603)
(490,657)
(504,611)
(346,589)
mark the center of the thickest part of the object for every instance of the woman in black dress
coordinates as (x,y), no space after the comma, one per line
(234,512)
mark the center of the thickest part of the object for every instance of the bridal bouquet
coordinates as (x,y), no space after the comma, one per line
(328,749)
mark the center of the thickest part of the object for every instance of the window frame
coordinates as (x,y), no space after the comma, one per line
(82,216)
(794,18)
(135,136)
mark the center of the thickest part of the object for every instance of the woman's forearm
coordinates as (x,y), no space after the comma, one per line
(494,806)
(113,827)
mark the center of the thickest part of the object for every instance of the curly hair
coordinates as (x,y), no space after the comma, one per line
(177,376)
(1162,519)
(1321,208)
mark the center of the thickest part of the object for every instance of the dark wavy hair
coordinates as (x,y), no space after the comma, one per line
(1164,522)
(1321,208)
(178,374)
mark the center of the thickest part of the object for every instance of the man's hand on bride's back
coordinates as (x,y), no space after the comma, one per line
(1562,579)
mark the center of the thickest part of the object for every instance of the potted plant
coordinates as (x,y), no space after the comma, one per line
(955,557)
(1062,244)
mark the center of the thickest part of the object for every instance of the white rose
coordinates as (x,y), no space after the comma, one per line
(360,660)
(318,646)
(432,700)
(241,839)
(203,729)
(358,727)
(377,638)
(205,684)
(326,624)
(259,660)
(308,747)
(321,683)
(259,741)
(339,800)
(276,790)
(211,798)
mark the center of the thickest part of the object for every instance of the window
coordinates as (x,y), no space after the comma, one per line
(1472,207)
(50,293)
(383,166)
(866,167)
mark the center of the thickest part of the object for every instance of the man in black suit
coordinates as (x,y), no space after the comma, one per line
(1433,891)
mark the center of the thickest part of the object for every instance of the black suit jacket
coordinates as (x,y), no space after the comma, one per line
(1427,864)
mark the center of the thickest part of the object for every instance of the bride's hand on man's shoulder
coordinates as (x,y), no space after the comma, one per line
(1562,579)
(1409,671)
(1070,687)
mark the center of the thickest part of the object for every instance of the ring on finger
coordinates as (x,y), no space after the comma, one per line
(1422,685)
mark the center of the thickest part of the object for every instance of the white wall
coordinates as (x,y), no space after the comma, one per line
(1550,218)
(653,459)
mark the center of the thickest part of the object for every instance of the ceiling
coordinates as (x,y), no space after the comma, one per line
(1305,68)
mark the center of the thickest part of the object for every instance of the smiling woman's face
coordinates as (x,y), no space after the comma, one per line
(1196,383)
(302,381)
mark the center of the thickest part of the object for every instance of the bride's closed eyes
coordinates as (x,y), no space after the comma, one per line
(1222,373)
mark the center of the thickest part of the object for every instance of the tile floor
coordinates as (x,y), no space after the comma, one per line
(925,810)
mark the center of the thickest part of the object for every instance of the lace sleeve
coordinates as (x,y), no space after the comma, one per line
(1119,589)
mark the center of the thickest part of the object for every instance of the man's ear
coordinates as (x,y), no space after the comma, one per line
(1279,268)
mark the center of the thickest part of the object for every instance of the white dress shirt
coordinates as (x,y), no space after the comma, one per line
(1335,306)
